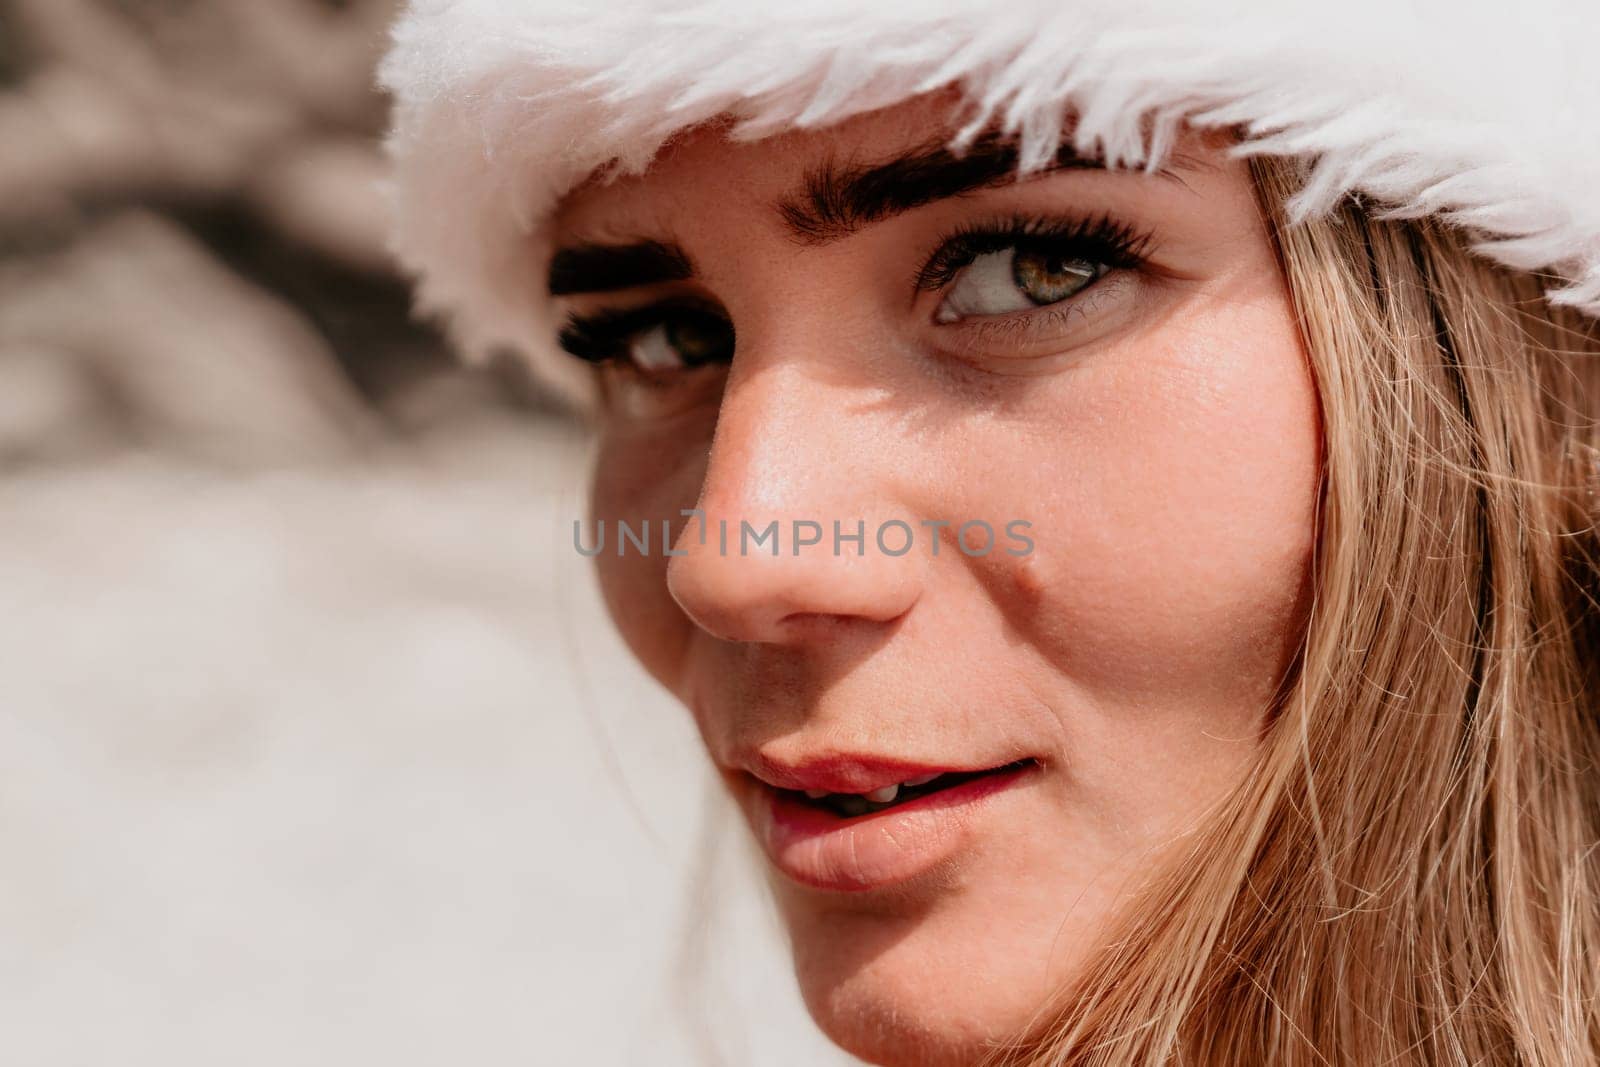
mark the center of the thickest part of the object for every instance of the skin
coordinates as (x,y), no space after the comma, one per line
(1159,431)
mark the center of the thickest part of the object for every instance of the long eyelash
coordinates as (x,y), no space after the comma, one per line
(1100,239)
(602,336)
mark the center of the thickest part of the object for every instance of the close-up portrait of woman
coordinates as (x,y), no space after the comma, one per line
(1114,487)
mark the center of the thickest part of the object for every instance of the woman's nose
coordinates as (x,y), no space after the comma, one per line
(800,518)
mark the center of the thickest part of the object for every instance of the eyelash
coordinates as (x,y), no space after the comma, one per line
(603,336)
(1099,239)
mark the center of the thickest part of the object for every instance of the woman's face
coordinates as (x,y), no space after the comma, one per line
(853,326)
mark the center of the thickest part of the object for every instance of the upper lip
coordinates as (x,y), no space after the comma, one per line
(848,772)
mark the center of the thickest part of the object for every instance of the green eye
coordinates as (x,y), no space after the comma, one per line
(1017,278)
(658,338)
(699,339)
(1045,277)
(681,342)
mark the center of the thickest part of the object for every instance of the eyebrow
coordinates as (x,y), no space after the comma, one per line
(597,268)
(837,200)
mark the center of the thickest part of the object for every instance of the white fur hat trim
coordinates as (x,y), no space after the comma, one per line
(1485,114)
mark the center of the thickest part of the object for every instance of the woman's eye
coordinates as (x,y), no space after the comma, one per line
(680,343)
(653,340)
(1017,278)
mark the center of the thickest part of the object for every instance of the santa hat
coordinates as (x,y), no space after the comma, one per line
(1486,115)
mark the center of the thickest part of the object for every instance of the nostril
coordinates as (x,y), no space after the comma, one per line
(812,625)
(821,625)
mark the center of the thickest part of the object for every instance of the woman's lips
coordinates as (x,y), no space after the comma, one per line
(824,850)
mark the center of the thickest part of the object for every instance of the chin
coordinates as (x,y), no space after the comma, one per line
(907,986)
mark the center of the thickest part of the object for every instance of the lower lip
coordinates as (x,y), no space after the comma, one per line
(819,849)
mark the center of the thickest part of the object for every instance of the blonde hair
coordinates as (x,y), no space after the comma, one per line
(1411,873)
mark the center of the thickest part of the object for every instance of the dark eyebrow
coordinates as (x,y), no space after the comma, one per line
(595,268)
(837,200)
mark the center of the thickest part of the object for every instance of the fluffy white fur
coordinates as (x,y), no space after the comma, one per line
(1483,113)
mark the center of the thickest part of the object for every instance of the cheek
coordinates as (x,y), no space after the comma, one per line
(1177,520)
(640,482)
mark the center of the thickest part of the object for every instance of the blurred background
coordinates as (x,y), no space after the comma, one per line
(315,746)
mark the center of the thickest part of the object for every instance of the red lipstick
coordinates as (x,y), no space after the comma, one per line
(849,824)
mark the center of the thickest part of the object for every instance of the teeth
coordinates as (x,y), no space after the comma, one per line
(855,803)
